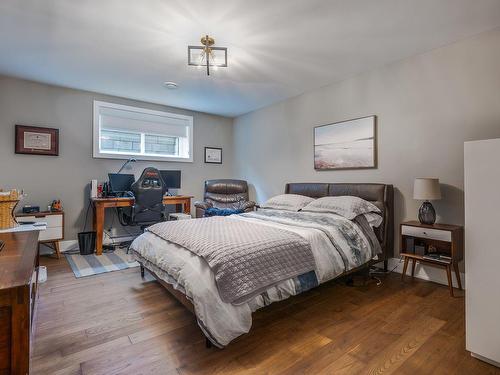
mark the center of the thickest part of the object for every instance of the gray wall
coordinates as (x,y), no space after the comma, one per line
(66,177)
(427,106)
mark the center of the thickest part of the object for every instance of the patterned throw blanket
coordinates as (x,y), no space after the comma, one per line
(354,240)
(246,257)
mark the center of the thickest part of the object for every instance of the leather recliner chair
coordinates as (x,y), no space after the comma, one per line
(232,194)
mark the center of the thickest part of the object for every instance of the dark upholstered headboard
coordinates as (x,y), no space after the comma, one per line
(381,195)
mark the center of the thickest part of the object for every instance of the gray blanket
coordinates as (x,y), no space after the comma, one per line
(246,258)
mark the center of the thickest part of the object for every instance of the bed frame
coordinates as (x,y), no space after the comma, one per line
(381,195)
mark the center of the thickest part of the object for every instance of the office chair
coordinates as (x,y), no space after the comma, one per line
(148,206)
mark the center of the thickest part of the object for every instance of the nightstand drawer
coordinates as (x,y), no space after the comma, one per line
(434,234)
(50,234)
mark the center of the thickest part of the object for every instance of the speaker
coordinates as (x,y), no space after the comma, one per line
(93,189)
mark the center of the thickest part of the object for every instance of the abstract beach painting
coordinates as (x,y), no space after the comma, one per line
(346,145)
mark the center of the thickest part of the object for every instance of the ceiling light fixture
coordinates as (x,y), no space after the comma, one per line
(207,55)
(170,85)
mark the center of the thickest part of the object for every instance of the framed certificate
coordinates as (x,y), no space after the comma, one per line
(213,155)
(37,140)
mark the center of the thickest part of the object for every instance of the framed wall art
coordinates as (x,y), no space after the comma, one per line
(347,144)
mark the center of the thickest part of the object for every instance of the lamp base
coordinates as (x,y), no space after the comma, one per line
(426,213)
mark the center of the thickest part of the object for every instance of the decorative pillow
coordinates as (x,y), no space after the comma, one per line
(346,206)
(373,219)
(288,202)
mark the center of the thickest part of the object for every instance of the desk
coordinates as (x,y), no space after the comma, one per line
(100,204)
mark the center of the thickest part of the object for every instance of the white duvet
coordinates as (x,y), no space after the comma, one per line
(223,322)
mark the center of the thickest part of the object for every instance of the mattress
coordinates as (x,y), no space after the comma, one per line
(223,322)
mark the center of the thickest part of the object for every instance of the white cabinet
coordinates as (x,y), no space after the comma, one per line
(482,249)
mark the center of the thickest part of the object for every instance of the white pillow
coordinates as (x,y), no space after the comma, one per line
(346,206)
(373,219)
(288,202)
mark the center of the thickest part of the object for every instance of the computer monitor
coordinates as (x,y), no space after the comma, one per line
(171,179)
(120,183)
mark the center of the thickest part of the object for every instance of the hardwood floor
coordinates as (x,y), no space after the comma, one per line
(117,323)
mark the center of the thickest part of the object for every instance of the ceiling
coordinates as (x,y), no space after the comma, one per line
(277,48)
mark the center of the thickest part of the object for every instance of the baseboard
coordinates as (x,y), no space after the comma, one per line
(70,245)
(484,359)
(425,272)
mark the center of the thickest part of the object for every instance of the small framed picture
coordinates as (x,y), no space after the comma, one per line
(37,140)
(213,155)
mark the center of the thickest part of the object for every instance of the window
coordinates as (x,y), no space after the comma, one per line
(120,141)
(121,132)
(160,144)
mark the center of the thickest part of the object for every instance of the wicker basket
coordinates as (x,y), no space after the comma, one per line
(7,205)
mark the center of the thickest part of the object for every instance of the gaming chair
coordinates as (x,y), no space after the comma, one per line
(148,207)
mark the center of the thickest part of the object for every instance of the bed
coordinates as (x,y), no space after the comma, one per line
(223,296)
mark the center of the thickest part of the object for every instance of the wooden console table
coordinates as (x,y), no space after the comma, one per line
(18,294)
(100,204)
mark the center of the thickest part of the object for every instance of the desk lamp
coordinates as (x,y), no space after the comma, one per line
(131,160)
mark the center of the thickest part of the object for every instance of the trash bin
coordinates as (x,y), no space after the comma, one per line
(42,274)
(86,242)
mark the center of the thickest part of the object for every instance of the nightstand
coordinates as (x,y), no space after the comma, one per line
(55,227)
(419,242)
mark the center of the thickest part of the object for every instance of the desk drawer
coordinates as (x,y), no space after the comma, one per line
(51,234)
(53,221)
(434,234)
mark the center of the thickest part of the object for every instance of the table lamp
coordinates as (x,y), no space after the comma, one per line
(426,189)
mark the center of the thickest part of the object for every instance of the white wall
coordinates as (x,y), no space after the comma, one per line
(427,106)
(65,177)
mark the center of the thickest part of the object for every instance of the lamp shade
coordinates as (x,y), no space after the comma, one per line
(426,189)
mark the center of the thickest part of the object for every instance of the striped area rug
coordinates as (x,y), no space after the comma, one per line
(88,265)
